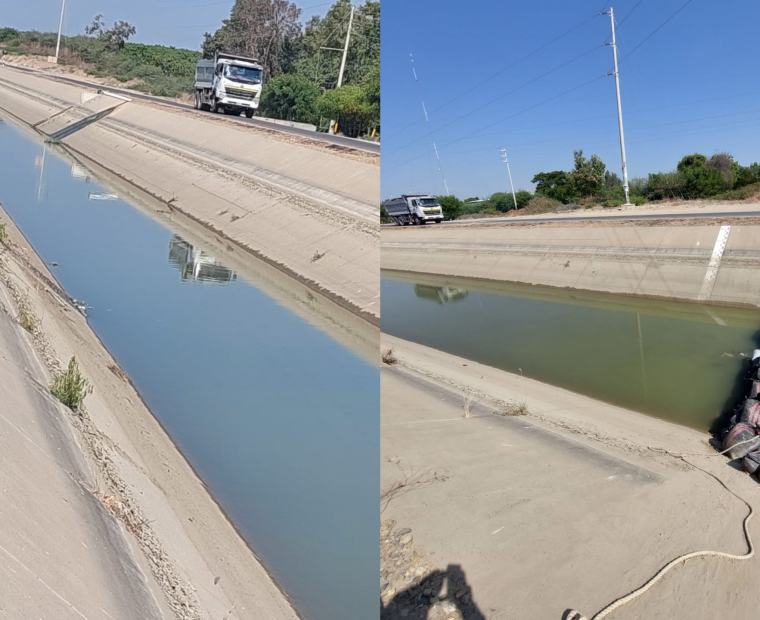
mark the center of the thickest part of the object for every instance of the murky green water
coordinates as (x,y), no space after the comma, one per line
(280,421)
(681,362)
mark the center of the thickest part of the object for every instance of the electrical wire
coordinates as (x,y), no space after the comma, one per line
(656,30)
(504,119)
(495,75)
(492,101)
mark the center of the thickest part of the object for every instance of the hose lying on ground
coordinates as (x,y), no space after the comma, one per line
(572,614)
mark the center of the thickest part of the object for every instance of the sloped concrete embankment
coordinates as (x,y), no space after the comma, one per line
(309,209)
(708,264)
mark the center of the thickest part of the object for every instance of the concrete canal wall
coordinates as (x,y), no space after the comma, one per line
(718,264)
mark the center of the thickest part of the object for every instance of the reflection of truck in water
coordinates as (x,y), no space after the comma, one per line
(229,84)
(440,294)
(195,265)
(414,209)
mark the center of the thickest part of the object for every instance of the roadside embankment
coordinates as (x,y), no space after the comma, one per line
(154,542)
(306,207)
(572,505)
(715,262)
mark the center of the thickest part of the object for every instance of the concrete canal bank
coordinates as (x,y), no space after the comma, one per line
(308,208)
(717,263)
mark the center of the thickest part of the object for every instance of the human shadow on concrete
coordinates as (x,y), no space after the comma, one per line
(440,595)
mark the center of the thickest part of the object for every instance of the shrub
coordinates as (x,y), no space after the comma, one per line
(743,193)
(290,97)
(70,387)
(541,204)
(350,107)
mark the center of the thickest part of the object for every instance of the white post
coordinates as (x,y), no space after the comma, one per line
(60,27)
(619,110)
(506,161)
(343,61)
(345,49)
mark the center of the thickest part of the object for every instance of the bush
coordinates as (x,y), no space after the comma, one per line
(290,97)
(743,193)
(503,202)
(70,387)
(8,34)
(541,204)
(350,107)
(699,182)
(451,207)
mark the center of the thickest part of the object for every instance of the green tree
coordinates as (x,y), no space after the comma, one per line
(556,185)
(611,179)
(697,160)
(114,38)
(290,97)
(263,29)
(323,65)
(588,174)
(451,206)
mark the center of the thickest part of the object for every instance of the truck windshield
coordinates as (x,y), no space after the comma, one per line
(243,74)
(428,202)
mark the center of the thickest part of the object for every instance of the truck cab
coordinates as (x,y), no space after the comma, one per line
(229,83)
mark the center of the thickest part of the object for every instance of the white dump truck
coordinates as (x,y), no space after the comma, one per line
(414,209)
(229,84)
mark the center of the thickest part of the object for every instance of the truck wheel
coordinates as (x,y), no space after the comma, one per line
(438,221)
(249,113)
(215,107)
(205,107)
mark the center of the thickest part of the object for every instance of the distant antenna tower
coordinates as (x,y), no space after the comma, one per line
(430,131)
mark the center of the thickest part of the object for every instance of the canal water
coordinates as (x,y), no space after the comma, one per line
(278,419)
(677,361)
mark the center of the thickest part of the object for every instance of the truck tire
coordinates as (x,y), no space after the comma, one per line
(249,113)
(438,221)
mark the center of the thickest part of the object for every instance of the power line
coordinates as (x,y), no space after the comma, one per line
(514,90)
(505,119)
(488,79)
(636,6)
(656,30)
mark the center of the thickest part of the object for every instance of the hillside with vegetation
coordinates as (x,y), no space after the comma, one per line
(300,60)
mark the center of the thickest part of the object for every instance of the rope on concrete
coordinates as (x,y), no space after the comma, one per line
(575,615)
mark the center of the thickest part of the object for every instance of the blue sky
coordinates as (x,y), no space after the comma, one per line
(180,23)
(691,87)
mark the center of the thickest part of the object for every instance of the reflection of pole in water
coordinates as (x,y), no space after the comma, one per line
(40,161)
(641,354)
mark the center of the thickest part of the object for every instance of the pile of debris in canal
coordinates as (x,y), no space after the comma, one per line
(741,439)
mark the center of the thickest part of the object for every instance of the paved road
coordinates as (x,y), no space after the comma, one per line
(601,218)
(353,143)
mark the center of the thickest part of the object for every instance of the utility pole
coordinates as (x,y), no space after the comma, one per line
(619,108)
(60,27)
(343,60)
(430,131)
(506,161)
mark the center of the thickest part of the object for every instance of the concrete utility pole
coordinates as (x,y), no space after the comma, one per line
(343,60)
(60,27)
(619,108)
(430,131)
(506,161)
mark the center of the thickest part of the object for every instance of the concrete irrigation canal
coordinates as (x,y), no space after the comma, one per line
(678,361)
(267,394)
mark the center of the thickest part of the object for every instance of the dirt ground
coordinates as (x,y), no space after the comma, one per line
(569,506)
(137,487)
